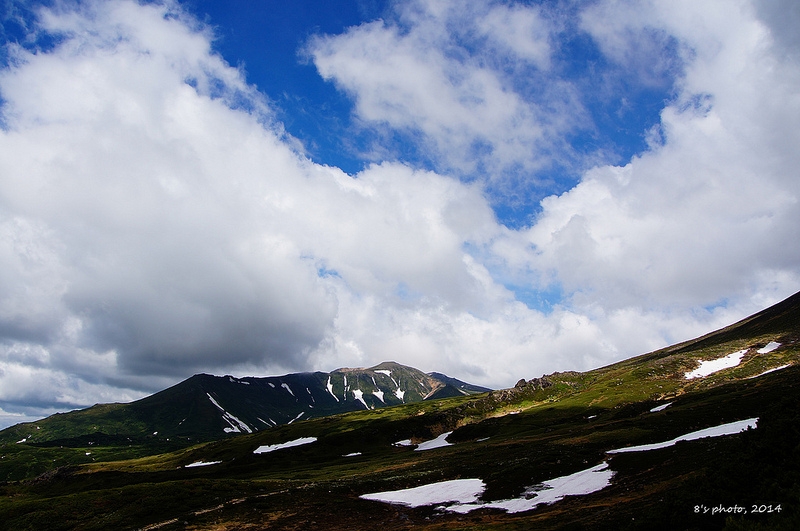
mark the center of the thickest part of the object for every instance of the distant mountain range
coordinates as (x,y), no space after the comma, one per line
(206,407)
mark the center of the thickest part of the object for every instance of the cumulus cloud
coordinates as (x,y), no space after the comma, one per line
(465,83)
(155,219)
(704,215)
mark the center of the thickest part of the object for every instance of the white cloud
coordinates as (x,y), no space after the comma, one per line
(440,74)
(154,220)
(149,228)
(705,216)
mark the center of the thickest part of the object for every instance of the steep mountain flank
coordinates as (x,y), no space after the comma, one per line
(206,407)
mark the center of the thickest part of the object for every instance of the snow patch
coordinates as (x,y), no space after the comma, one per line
(329,385)
(462,495)
(297,417)
(438,442)
(286,386)
(384,371)
(404,442)
(202,463)
(379,395)
(548,492)
(730,428)
(22,441)
(772,345)
(271,384)
(662,407)
(772,370)
(360,397)
(460,491)
(710,367)
(354,454)
(236,425)
(272,447)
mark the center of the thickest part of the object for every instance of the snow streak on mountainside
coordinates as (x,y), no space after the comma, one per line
(207,407)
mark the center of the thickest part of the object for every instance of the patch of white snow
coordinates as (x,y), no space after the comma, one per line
(354,454)
(772,345)
(384,371)
(462,495)
(438,442)
(400,394)
(460,491)
(286,386)
(236,425)
(360,397)
(297,417)
(710,367)
(548,492)
(329,385)
(772,370)
(379,395)
(730,428)
(272,447)
(271,384)
(202,463)
(404,442)
(662,407)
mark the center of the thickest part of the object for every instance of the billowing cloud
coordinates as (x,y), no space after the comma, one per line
(468,84)
(705,214)
(156,220)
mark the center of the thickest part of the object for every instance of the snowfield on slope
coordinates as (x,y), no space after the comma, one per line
(462,495)
(236,425)
(272,447)
(707,368)
(773,370)
(459,491)
(438,442)
(202,463)
(730,428)
(769,347)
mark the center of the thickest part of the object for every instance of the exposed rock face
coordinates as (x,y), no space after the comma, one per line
(522,387)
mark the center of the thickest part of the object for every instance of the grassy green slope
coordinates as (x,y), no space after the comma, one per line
(511,439)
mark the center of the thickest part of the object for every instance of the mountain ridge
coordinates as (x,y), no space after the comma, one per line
(207,407)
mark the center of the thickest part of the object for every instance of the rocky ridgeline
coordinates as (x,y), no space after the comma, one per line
(522,388)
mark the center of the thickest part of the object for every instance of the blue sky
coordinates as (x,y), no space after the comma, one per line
(492,190)
(269,40)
